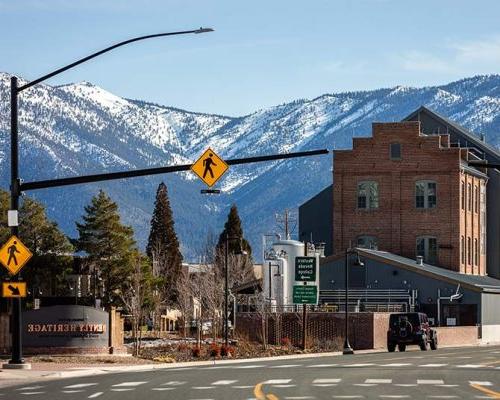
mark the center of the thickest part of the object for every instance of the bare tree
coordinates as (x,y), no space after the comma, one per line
(135,296)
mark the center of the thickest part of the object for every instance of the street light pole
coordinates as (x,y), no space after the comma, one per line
(15,184)
(347,347)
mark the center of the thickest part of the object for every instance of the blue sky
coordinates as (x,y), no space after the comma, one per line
(262,53)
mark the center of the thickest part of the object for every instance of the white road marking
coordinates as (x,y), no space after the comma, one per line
(217,367)
(93,396)
(30,387)
(471,366)
(286,366)
(447,386)
(30,393)
(378,381)
(365,384)
(80,385)
(481,383)
(355,396)
(219,383)
(324,384)
(357,365)
(283,386)
(442,397)
(128,384)
(162,389)
(405,384)
(394,396)
(181,369)
(122,389)
(396,365)
(327,380)
(243,387)
(73,391)
(202,387)
(463,357)
(430,382)
(276,381)
(322,365)
(250,366)
(433,365)
(173,383)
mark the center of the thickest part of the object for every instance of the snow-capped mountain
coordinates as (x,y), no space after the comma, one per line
(83,129)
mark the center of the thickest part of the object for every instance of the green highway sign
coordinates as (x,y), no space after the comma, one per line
(303,294)
(305,269)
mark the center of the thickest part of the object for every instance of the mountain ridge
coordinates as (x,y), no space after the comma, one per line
(83,129)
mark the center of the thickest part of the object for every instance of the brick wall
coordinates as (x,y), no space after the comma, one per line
(397,223)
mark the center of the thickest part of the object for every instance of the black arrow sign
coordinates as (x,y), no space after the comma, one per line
(15,290)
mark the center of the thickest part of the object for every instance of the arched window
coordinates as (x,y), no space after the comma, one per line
(427,248)
(425,194)
(368,195)
(367,242)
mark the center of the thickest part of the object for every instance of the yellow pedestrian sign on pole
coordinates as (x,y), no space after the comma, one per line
(14,289)
(14,255)
(209,167)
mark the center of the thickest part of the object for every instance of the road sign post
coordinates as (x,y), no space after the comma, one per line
(14,289)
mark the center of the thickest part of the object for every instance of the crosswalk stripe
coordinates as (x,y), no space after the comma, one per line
(324,384)
(31,393)
(481,383)
(202,387)
(80,385)
(378,381)
(471,366)
(224,382)
(95,395)
(433,365)
(357,365)
(286,366)
(394,396)
(122,389)
(243,387)
(284,386)
(73,391)
(430,382)
(173,383)
(163,389)
(322,365)
(250,366)
(327,380)
(396,365)
(128,384)
(276,381)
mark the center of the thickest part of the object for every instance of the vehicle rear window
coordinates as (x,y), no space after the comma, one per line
(396,319)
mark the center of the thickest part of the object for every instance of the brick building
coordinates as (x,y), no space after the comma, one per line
(411,194)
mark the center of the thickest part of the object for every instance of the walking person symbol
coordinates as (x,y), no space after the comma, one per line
(207,163)
(12,253)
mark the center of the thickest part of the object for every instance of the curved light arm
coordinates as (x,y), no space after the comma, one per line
(82,60)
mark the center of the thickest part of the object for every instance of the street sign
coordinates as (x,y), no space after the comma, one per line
(209,167)
(14,255)
(305,269)
(14,289)
(303,294)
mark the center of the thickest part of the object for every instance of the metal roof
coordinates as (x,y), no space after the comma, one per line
(475,282)
(467,135)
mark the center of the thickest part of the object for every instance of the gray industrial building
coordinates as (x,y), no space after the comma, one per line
(388,282)
(316,215)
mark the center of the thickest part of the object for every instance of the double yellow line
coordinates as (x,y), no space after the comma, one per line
(260,395)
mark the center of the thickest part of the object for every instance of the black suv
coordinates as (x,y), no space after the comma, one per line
(410,328)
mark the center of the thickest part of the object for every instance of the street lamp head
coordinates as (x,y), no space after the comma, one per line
(358,262)
(203,30)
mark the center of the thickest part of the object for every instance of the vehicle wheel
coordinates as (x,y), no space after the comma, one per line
(434,343)
(391,347)
(402,347)
(423,344)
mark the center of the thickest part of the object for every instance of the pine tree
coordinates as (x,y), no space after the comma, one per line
(109,244)
(239,250)
(163,246)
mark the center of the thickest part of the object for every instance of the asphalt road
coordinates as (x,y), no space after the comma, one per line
(465,373)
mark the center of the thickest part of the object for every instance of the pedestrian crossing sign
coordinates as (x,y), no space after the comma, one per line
(14,255)
(209,167)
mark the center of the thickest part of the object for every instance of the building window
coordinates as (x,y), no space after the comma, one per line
(462,249)
(395,151)
(476,199)
(469,196)
(425,194)
(476,253)
(427,248)
(469,251)
(367,242)
(368,195)
(482,219)
(463,195)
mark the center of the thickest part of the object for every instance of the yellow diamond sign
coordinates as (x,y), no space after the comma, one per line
(209,167)
(14,255)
